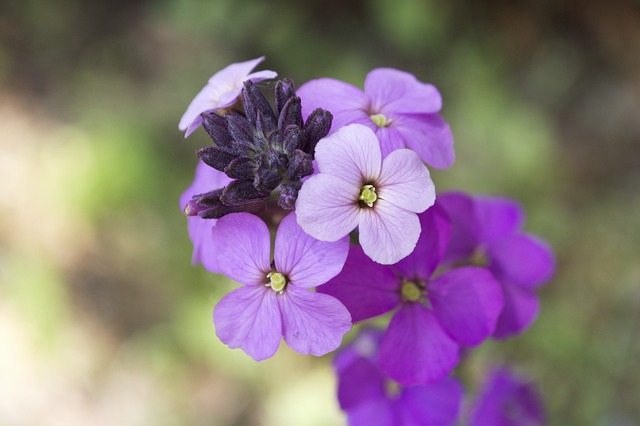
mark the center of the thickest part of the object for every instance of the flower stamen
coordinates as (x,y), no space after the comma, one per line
(411,292)
(380,120)
(277,281)
(368,195)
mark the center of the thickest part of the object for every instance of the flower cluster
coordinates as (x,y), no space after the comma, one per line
(331,164)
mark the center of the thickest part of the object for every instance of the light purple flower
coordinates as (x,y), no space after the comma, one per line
(205,179)
(355,187)
(276,300)
(487,231)
(507,400)
(371,399)
(436,314)
(221,91)
(400,109)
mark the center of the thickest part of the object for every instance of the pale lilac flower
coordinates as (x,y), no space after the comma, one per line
(221,91)
(436,314)
(355,187)
(401,110)
(372,399)
(199,228)
(276,299)
(488,231)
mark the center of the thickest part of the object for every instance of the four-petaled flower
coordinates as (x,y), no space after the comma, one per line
(355,187)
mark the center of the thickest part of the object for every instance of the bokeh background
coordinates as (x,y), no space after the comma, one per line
(103,321)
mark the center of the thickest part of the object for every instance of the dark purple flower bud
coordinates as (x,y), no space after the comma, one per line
(216,128)
(293,139)
(217,213)
(276,159)
(289,195)
(276,139)
(291,114)
(255,103)
(240,192)
(316,127)
(241,131)
(241,168)
(266,179)
(300,165)
(203,202)
(216,156)
(265,126)
(285,89)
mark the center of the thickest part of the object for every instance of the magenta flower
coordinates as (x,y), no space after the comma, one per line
(487,231)
(401,110)
(371,399)
(356,188)
(275,300)
(436,314)
(507,400)
(199,228)
(221,91)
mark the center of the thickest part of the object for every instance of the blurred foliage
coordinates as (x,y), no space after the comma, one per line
(104,321)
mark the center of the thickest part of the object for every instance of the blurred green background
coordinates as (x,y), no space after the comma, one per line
(103,321)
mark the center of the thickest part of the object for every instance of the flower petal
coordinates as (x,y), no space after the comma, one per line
(394,91)
(436,404)
(374,412)
(366,288)
(390,140)
(465,229)
(234,73)
(522,260)
(358,382)
(405,182)
(249,318)
(388,233)
(352,154)
(313,323)
(498,217)
(428,135)
(327,207)
(242,243)
(467,302)
(415,350)
(307,262)
(521,307)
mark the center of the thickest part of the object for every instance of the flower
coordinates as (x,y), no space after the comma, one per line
(371,399)
(436,314)
(199,228)
(507,400)
(221,91)
(275,300)
(401,110)
(356,188)
(487,231)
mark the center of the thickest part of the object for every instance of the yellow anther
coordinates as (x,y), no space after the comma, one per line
(277,281)
(380,120)
(410,291)
(368,195)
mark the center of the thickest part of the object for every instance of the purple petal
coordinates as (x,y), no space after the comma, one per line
(366,288)
(428,135)
(248,318)
(234,73)
(352,154)
(390,139)
(327,207)
(364,345)
(467,302)
(347,103)
(388,233)
(358,382)
(374,412)
(415,350)
(465,229)
(498,217)
(431,246)
(521,307)
(394,91)
(436,404)
(242,243)
(522,260)
(405,182)
(313,323)
(307,262)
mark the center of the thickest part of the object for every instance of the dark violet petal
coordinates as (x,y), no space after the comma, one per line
(241,168)
(415,350)
(521,307)
(436,404)
(216,157)
(522,260)
(300,165)
(374,412)
(391,90)
(366,288)
(240,192)
(216,128)
(316,127)
(312,323)
(465,229)
(359,382)
(498,217)
(285,89)
(291,114)
(429,136)
(249,318)
(467,302)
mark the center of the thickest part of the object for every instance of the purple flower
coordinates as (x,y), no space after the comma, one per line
(356,188)
(401,110)
(221,91)
(275,300)
(507,400)
(487,231)
(372,399)
(199,228)
(435,315)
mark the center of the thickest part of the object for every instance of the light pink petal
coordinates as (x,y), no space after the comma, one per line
(307,262)
(242,243)
(394,91)
(405,182)
(327,207)
(388,233)
(233,73)
(428,135)
(313,323)
(352,154)
(249,318)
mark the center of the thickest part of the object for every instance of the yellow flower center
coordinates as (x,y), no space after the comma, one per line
(380,120)
(410,291)
(368,195)
(277,281)
(479,258)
